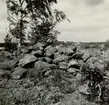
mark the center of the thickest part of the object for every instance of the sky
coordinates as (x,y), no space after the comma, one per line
(89,20)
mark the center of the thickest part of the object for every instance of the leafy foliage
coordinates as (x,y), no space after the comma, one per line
(37,12)
(9,45)
(16,16)
(107,44)
(44,31)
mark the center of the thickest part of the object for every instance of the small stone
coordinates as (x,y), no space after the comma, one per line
(63,65)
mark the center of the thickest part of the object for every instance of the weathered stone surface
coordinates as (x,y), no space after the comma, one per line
(53,79)
(47,73)
(60,58)
(30,48)
(24,50)
(27,61)
(73,64)
(18,73)
(47,59)
(49,52)
(62,50)
(37,53)
(41,65)
(84,89)
(79,76)
(38,46)
(77,55)
(86,57)
(70,51)
(63,65)
(28,84)
(72,70)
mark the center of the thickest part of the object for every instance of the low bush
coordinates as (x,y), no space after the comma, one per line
(9,45)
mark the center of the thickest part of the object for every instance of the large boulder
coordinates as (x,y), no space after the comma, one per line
(41,65)
(63,65)
(24,50)
(50,51)
(84,89)
(27,61)
(47,59)
(62,50)
(30,49)
(37,53)
(38,46)
(77,55)
(70,51)
(72,70)
(73,64)
(19,73)
(60,58)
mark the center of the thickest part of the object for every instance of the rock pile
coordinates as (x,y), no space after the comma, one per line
(41,75)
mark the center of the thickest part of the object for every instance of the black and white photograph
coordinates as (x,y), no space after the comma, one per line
(54,52)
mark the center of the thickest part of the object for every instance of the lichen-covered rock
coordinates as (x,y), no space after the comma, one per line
(70,51)
(62,50)
(72,70)
(41,65)
(49,52)
(19,73)
(63,65)
(73,64)
(38,46)
(77,55)
(47,59)
(84,89)
(37,53)
(27,61)
(60,58)
(47,73)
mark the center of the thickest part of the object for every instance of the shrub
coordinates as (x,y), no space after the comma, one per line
(106,44)
(9,45)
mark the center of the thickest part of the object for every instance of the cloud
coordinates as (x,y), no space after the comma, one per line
(89,20)
(93,2)
(3,20)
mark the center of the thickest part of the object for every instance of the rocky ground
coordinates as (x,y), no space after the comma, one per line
(46,75)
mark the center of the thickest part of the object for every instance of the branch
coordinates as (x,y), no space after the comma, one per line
(11,16)
(22,2)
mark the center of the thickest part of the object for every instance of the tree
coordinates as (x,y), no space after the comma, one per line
(43,31)
(40,8)
(37,12)
(17,14)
